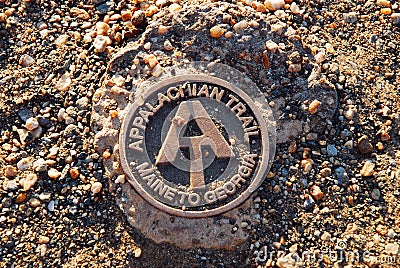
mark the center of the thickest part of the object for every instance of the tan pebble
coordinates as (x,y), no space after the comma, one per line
(381,229)
(368,169)
(106,154)
(274,4)
(79,13)
(385,136)
(350,200)
(174,7)
(3,17)
(61,40)
(151,60)
(168,46)
(383,3)
(162,29)
(380,146)
(294,8)
(316,192)
(126,15)
(313,108)
(102,28)
(138,253)
(64,82)
(29,181)
(325,172)
(9,12)
(217,31)
(115,17)
(10,171)
(151,11)
(259,7)
(44,239)
(100,43)
(96,187)
(21,198)
(157,71)
(74,173)
(228,34)
(307,165)
(386,11)
(53,173)
(271,46)
(292,147)
(294,67)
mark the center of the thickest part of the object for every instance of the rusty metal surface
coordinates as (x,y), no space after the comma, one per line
(221,129)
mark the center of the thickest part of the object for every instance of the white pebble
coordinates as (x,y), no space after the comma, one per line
(53,173)
(32,123)
(274,4)
(100,43)
(23,164)
(96,187)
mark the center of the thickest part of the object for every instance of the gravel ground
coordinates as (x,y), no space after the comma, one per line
(334,188)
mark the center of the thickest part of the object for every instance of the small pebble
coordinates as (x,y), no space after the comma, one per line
(43,239)
(100,43)
(53,173)
(364,145)
(168,46)
(375,194)
(138,252)
(240,26)
(274,4)
(10,171)
(32,123)
(368,169)
(33,202)
(392,248)
(316,192)
(96,187)
(50,206)
(29,181)
(217,31)
(24,164)
(40,165)
(26,60)
(313,108)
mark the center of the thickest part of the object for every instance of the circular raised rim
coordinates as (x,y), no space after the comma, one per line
(258,177)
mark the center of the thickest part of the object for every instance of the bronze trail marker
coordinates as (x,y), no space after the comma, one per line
(195,145)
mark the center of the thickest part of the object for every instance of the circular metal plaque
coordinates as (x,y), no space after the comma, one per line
(196,145)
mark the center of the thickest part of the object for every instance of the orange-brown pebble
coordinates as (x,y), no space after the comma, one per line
(106,154)
(102,28)
(162,29)
(386,11)
(151,11)
(113,113)
(21,198)
(313,108)
(385,136)
(74,173)
(383,3)
(292,147)
(126,15)
(217,31)
(151,60)
(316,192)
(350,199)
(380,146)
(265,59)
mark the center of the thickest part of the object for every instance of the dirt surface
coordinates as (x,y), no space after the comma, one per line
(334,187)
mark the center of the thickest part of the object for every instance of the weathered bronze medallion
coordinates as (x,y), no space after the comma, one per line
(195,145)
